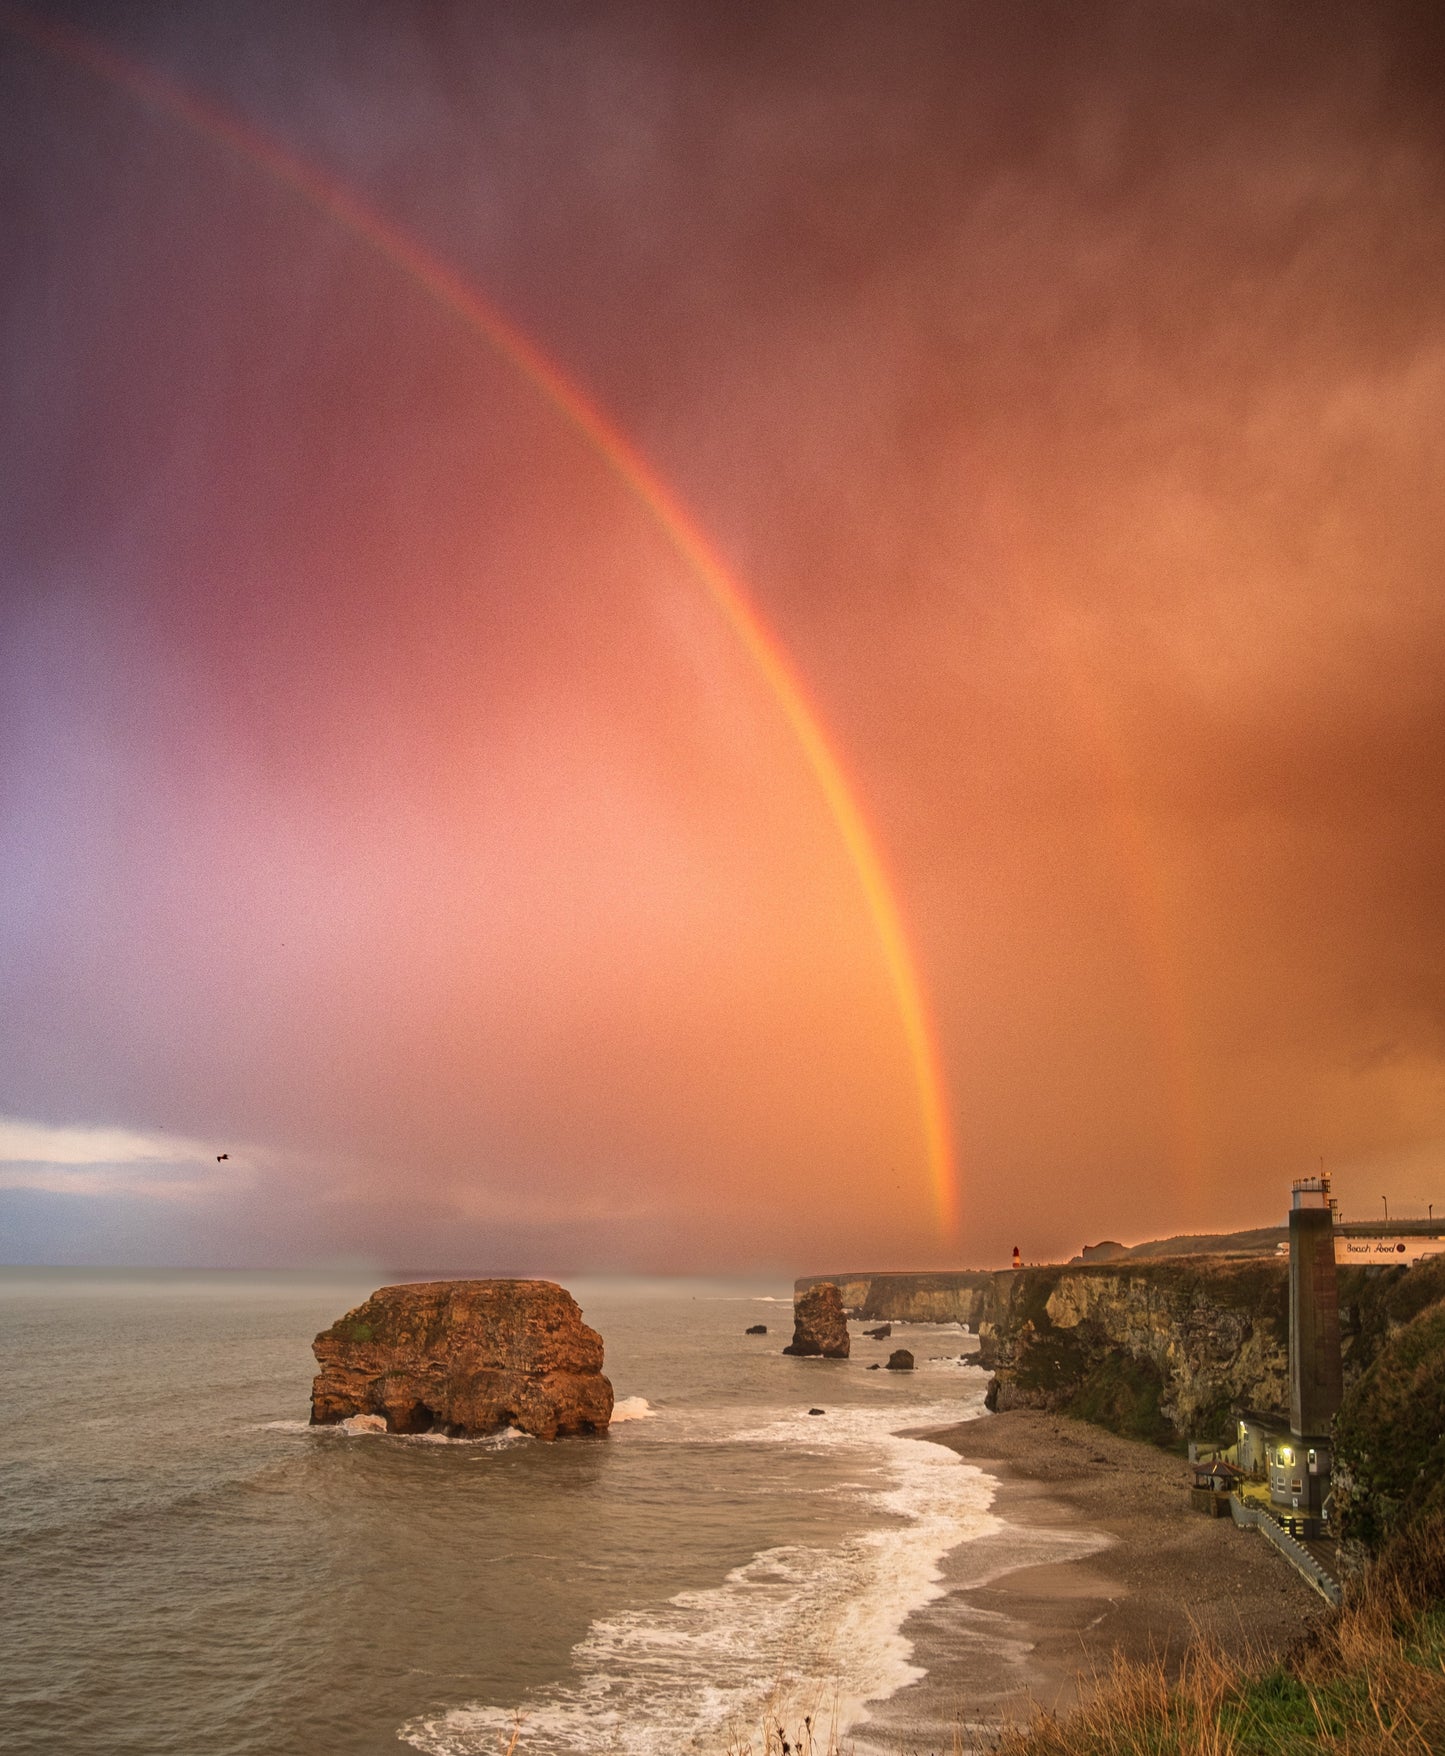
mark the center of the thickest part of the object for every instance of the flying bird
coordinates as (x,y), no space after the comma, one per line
(221,1155)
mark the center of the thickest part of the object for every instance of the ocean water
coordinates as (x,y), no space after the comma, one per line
(186,1566)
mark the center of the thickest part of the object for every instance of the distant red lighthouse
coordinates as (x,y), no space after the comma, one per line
(1018,1260)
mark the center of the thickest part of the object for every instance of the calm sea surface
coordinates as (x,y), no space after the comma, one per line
(186,1567)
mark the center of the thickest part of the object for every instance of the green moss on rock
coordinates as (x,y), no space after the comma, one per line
(1124,1393)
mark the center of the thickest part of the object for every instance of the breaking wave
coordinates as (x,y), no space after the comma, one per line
(796,1630)
(633,1408)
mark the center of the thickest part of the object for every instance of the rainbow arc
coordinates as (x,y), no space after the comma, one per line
(452,292)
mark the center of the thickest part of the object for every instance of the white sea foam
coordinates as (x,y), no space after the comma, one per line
(633,1408)
(497,1441)
(796,1630)
(356,1425)
(374,1427)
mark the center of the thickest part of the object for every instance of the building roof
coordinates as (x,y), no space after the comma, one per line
(1256,1417)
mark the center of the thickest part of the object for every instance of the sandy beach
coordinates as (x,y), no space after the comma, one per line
(1100,1552)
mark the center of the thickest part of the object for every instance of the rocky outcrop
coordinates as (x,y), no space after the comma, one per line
(881,1333)
(464,1357)
(756,1329)
(819,1325)
(900,1360)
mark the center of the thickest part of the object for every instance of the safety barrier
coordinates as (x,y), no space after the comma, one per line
(1290,1547)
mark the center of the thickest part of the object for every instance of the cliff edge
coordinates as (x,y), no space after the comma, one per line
(1162,1348)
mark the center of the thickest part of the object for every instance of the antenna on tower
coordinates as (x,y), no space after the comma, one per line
(1330,1201)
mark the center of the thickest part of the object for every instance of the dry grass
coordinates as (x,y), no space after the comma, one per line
(1369,1681)
(790,1726)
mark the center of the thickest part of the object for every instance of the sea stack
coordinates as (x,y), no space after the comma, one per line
(464,1357)
(819,1326)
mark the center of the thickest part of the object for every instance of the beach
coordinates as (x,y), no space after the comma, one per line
(1118,1562)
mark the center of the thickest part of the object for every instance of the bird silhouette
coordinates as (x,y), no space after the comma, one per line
(221,1155)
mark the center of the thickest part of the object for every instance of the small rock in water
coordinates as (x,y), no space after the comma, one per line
(881,1333)
(757,1329)
(817,1411)
(900,1360)
(875,1367)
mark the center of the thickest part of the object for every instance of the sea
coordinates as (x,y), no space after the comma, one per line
(187,1566)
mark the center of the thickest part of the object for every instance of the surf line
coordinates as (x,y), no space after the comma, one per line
(451,291)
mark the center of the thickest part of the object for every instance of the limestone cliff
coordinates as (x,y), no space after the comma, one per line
(1157,1350)
(464,1357)
(910,1298)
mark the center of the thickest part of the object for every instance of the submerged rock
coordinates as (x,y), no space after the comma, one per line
(817,1411)
(464,1357)
(757,1329)
(900,1360)
(881,1333)
(819,1326)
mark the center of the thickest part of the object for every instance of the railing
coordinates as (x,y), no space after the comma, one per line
(1290,1547)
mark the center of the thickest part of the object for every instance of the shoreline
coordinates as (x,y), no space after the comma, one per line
(1097,1553)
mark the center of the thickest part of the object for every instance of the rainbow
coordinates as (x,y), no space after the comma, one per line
(447,289)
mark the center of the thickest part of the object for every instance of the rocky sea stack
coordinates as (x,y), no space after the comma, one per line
(819,1326)
(464,1357)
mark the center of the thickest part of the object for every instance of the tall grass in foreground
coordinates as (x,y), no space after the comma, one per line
(1368,1681)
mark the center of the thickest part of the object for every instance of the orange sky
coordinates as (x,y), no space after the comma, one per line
(388,803)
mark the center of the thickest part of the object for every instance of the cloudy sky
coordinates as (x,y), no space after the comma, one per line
(387,802)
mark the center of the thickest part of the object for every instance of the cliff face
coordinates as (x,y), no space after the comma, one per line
(1165,1349)
(1157,1350)
(464,1357)
(910,1298)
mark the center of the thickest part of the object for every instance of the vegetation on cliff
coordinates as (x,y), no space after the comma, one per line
(1161,1351)
(1390,1433)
